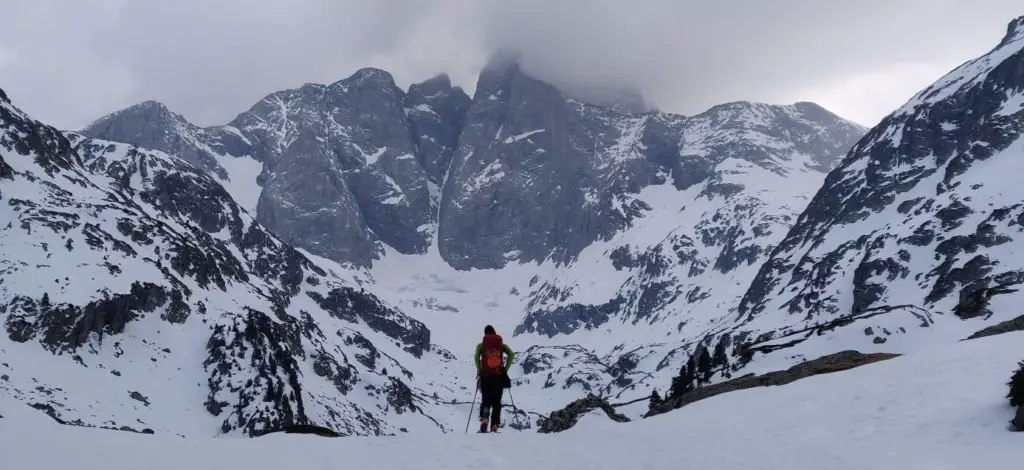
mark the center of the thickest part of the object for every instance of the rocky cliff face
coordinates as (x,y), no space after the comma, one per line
(535,174)
(346,167)
(541,176)
(520,173)
(436,114)
(731,199)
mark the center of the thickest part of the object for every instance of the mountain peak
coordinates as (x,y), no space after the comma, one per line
(149,111)
(366,75)
(432,85)
(437,84)
(1014,31)
(622,99)
(441,79)
(150,105)
(3,97)
(151,125)
(504,59)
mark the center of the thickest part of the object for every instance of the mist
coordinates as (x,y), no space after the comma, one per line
(68,62)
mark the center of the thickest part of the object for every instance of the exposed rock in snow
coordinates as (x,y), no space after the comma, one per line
(567,417)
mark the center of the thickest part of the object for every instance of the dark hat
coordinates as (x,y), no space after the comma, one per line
(489,330)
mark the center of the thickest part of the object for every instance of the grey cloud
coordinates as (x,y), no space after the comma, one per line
(689,55)
(68,61)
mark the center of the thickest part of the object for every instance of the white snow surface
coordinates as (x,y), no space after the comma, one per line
(983,189)
(938,408)
(241,182)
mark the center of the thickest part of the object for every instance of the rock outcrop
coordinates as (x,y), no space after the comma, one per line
(1015,324)
(567,417)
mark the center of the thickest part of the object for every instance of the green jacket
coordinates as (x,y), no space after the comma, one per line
(508,352)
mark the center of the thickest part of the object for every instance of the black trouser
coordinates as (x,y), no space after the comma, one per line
(491,389)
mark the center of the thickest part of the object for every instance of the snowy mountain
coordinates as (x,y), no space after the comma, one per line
(136,294)
(359,166)
(608,243)
(593,232)
(527,146)
(915,237)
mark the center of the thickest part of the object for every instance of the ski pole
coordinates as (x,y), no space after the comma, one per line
(515,409)
(472,404)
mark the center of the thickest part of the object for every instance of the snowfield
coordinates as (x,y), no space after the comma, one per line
(937,408)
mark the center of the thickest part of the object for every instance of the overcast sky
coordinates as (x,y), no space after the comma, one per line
(68,62)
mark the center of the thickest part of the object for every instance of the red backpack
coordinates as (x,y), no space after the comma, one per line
(492,350)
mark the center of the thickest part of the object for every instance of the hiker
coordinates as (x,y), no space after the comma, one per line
(492,376)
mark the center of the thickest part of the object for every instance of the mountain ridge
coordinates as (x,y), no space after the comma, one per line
(537,137)
(434,151)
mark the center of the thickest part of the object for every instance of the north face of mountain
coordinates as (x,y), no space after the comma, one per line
(135,294)
(535,174)
(540,176)
(343,171)
(436,113)
(734,195)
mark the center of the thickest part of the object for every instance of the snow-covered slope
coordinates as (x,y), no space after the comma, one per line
(939,408)
(136,294)
(917,236)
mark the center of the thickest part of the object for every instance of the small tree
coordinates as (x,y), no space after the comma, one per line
(704,366)
(1016,383)
(720,359)
(654,401)
(683,382)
